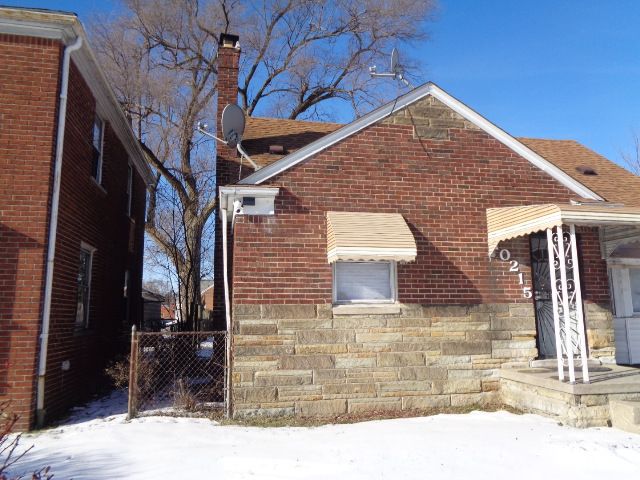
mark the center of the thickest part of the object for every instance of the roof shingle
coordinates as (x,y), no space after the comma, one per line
(611,181)
(261,133)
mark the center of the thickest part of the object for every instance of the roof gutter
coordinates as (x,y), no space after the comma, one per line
(53,230)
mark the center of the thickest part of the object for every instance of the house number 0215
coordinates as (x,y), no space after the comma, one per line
(505,256)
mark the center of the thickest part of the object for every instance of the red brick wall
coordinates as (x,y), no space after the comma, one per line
(441,187)
(29,76)
(29,82)
(94,214)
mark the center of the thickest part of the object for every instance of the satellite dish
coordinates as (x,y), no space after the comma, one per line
(394,60)
(233,123)
(395,72)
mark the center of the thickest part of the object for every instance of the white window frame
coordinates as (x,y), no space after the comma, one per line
(393,282)
(84,323)
(621,287)
(129,189)
(98,176)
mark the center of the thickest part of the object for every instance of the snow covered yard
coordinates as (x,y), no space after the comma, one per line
(98,443)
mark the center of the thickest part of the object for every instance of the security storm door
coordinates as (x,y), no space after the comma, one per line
(545,333)
(625,283)
(543,298)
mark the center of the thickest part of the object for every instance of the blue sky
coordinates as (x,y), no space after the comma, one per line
(544,68)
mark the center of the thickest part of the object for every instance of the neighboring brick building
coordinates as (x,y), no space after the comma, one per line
(206,297)
(95,291)
(359,276)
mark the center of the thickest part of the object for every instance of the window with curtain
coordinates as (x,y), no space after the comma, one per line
(97,145)
(84,288)
(364,282)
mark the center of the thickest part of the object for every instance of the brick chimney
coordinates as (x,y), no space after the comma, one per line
(228,64)
(226,168)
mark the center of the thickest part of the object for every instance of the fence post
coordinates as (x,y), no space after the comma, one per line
(132,408)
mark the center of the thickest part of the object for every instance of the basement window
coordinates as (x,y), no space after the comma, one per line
(97,149)
(364,282)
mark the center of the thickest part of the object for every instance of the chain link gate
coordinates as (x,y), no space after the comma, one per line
(178,372)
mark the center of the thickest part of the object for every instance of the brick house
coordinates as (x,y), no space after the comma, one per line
(382,265)
(72,202)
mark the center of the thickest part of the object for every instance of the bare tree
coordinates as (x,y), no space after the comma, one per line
(298,54)
(160,57)
(632,159)
(298,57)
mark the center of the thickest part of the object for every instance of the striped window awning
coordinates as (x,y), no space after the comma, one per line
(353,236)
(510,222)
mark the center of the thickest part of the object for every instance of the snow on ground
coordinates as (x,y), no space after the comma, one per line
(98,443)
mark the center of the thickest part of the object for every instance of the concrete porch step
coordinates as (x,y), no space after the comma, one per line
(625,415)
(552,363)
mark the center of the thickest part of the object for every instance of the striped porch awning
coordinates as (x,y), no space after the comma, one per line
(355,236)
(510,222)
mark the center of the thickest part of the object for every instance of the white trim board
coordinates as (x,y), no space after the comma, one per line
(401,102)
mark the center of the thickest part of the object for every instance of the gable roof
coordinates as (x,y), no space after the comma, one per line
(611,181)
(401,102)
(292,135)
(205,285)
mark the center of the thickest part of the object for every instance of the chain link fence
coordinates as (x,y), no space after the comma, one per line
(178,372)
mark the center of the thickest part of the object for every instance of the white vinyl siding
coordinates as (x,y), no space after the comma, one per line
(626,290)
(364,282)
(625,281)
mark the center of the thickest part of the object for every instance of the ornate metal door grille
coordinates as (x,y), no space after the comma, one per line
(542,296)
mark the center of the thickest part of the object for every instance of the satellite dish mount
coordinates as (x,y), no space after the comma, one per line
(394,72)
(233,124)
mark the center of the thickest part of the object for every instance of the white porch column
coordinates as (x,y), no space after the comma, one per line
(566,313)
(554,299)
(577,298)
(567,300)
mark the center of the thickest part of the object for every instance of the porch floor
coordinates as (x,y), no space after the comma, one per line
(538,390)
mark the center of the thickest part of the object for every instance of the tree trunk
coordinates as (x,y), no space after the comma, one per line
(190,275)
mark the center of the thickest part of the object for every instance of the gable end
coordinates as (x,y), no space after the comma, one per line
(431,119)
(431,126)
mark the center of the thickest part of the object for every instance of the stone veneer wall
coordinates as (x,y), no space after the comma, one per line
(304,360)
(600,338)
(582,411)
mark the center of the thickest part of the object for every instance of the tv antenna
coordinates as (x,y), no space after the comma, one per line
(394,72)
(233,124)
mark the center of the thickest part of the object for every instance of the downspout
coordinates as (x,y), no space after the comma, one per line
(53,228)
(227,309)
